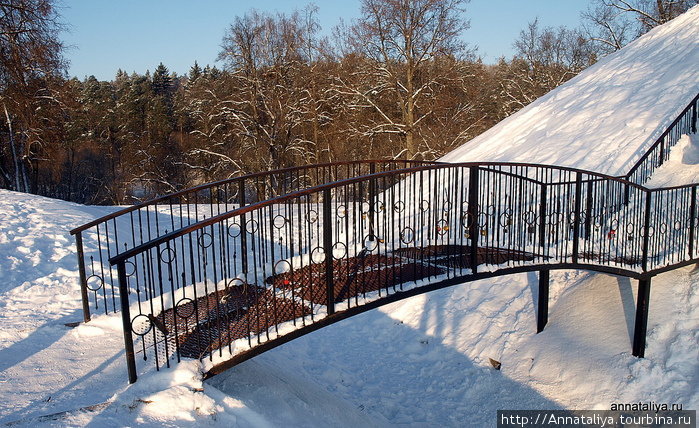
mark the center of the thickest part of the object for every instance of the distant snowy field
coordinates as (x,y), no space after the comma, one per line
(422,361)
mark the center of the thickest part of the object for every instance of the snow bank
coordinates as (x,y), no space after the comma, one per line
(682,166)
(605,118)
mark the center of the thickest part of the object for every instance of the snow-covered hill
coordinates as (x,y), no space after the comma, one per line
(605,118)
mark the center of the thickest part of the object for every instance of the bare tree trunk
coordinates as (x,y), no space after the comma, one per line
(15,158)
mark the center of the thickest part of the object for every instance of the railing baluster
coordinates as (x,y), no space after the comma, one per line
(328,249)
(473,213)
(692,220)
(646,232)
(576,210)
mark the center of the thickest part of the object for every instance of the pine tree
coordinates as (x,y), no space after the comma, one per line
(162,82)
(194,72)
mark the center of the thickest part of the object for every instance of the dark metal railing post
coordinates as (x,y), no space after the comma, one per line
(473,214)
(83,278)
(542,310)
(694,116)
(588,208)
(661,158)
(641,322)
(372,196)
(692,221)
(328,249)
(243,231)
(126,321)
(542,217)
(576,220)
(646,232)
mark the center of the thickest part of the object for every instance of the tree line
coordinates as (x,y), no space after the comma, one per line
(398,83)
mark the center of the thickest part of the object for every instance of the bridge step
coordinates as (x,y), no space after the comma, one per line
(353,277)
(196,327)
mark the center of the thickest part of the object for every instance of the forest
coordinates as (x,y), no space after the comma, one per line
(399,82)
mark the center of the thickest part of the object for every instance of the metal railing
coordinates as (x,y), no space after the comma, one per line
(111,235)
(259,274)
(658,153)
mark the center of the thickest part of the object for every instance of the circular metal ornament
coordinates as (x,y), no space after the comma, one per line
(407,235)
(251,226)
(446,206)
(399,206)
(96,280)
(205,240)
(341,211)
(482,219)
(370,244)
(184,308)
(466,220)
(238,283)
(442,227)
(141,325)
(530,217)
(424,205)
(317,255)
(339,248)
(130,268)
(234,230)
(279,221)
(614,224)
(505,220)
(167,255)
(312,216)
(282,266)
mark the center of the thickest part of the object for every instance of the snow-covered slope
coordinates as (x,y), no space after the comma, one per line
(682,166)
(605,118)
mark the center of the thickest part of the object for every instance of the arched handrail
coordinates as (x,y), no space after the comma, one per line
(659,151)
(376,176)
(156,217)
(332,248)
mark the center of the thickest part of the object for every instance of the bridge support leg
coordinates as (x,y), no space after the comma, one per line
(639,332)
(542,312)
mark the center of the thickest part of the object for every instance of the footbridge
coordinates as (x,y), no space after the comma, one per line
(231,269)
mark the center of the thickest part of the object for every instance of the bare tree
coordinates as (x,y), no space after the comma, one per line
(30,55)
(613,23)
(265,55)
(397,40)
(544,59)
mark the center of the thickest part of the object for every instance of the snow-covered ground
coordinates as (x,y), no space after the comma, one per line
(423,361)
(682,166)
(420,362)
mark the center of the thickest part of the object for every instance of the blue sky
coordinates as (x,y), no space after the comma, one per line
(136,35)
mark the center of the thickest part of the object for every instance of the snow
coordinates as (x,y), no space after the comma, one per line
(681,167)
(421,361)
(605,118)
